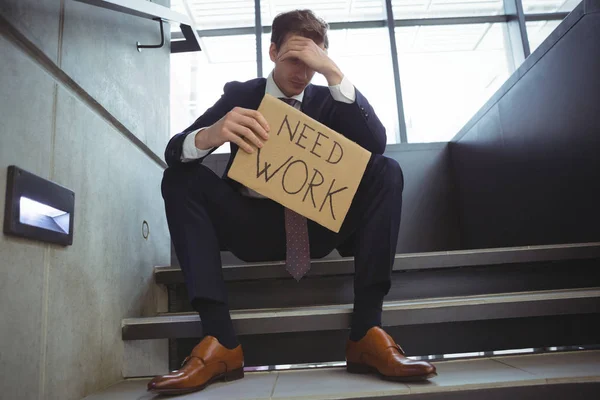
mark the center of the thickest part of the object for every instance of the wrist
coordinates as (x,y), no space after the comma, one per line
(201,140)
(333,75)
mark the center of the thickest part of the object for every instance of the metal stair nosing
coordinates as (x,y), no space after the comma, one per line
(403,262)
(397,313)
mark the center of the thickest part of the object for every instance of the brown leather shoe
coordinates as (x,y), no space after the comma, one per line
(377,352)
(209,362)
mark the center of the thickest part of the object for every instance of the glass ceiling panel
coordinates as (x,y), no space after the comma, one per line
(549,6)
(408,9)
(213,14)
(330,11)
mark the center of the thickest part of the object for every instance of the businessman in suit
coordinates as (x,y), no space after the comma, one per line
(207,213)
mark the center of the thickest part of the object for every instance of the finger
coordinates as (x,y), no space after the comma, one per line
(283,48)
(252,123)
(254,120)
(248,135)
(242,144)
(298,39)
(302,43)
(263,122)
(298,56)
(257,116)
(290,54)
(248,121)
(296,47)
(282,52)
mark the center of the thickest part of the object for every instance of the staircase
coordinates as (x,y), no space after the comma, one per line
(440,303)
(545,298)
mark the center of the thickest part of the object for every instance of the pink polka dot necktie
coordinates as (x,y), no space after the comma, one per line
(297,255)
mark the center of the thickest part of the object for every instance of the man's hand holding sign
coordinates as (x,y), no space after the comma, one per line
(304,165)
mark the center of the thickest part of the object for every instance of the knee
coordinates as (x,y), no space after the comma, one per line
(176,180)
(170,181)
(391,172)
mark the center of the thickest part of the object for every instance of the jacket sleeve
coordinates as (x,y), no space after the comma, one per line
(212,115)
(359,123)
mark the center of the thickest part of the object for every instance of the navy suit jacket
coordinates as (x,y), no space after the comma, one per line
(356,121)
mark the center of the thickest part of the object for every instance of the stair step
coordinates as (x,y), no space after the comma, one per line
(406,285)
(572,375)
(403,262)
(396,313)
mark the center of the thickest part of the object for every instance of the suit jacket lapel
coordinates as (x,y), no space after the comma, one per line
(306,106)
(253,101)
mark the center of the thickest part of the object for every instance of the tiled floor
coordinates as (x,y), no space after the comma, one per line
(336,383)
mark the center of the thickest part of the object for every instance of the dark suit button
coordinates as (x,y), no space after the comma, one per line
(366,115)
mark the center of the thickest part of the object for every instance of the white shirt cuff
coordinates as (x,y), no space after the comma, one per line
(190,152)
(344,92)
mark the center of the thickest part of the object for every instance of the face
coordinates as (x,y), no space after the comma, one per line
(291,75)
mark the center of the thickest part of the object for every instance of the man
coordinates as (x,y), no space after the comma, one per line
(206,213)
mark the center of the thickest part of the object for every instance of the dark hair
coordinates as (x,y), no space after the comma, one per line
(301,22)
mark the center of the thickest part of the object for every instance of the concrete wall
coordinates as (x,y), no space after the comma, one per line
(80,106)
(429,209)
(527,166)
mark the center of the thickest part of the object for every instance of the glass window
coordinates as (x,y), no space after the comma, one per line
(447,74)
(408,9)
(538,31)
(548,6)
(330,11)
(364,57)
(197,78)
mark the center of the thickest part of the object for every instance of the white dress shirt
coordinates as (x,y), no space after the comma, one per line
(344,92)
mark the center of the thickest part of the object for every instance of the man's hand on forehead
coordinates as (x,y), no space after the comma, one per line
(302,39)
(306,50)
(314,56)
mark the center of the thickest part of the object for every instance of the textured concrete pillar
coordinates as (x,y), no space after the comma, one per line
(82,107)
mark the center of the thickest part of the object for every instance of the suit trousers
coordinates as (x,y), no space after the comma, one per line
(206,214)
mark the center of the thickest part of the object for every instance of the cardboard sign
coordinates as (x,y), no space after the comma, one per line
(304,165)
